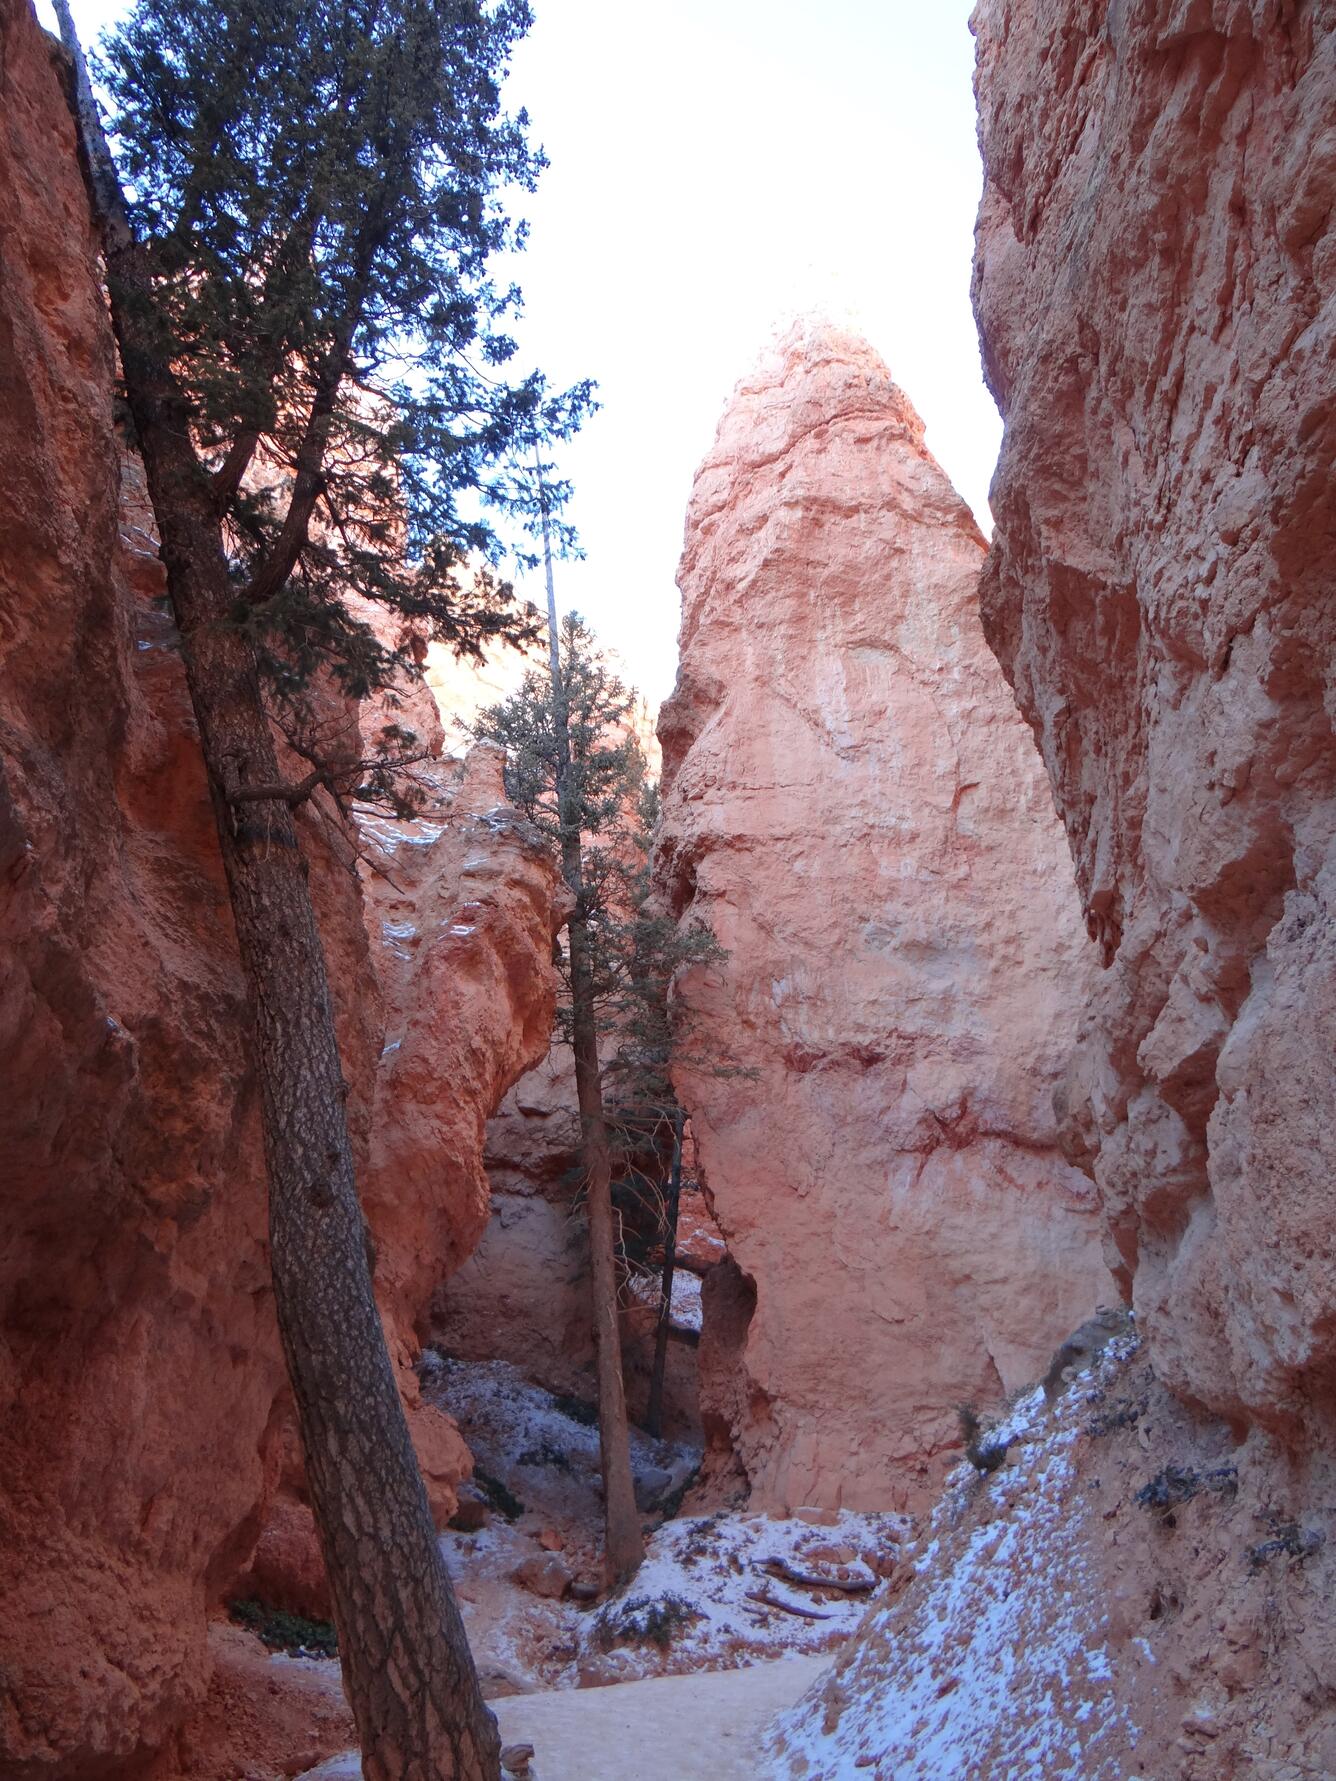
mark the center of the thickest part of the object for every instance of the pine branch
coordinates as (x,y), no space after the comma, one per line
(329,777)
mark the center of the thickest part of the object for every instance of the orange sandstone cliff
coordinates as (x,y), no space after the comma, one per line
(854,807)
(1156,290)
(1146,1586)
(142,1399)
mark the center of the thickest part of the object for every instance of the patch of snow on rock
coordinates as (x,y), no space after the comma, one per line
(722,1589)
(992,1661)
(715,1592)
(686,1306)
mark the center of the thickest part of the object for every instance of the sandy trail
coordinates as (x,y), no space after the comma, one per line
(701,1727)
(665,1728)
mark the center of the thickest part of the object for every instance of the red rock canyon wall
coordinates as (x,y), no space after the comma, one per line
(854,807)
(1155,284)
(141,1391)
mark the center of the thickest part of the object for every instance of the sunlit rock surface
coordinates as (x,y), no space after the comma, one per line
(855,808)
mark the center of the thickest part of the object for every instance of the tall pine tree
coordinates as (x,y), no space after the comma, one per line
(297,236)
(576,769)
(572,773)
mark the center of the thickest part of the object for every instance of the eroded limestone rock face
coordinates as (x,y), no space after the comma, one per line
(142,1398)
(524,1294)
(855,808)
(1156,289)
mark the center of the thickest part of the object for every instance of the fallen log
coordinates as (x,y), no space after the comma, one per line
(779,1567)
(773,1601)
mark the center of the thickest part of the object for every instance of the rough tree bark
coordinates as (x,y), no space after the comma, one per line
(406,1665)
(624,1545)
(623,1541)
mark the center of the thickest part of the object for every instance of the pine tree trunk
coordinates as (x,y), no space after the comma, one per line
(624,1544)
(623,1541)
(406,1665)
(654,1410)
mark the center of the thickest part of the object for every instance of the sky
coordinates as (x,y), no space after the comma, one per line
(717,167)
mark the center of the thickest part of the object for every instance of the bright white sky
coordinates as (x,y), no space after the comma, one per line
(717,167)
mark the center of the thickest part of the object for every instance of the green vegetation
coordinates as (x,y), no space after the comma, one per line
(577,1410)
(643,1620)
(498,1497)
(574,766)
(282,1631)
(299,229)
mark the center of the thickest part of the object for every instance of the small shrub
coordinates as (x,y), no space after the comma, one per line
(702,1539)
(1176,1485)
(1168,1489)
(282,1631)
(984,1450)
(504,1501)
(1289,1540)
(1117,1416)
(577,1410)
(642,1620)
(545,1454)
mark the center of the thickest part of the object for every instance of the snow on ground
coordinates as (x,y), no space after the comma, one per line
(536,1461)
(542,1447)
(712,1589)
(707,1596)
(985,1657)
(666,1728)
(646,1289)
(991,1662)
(692,1642)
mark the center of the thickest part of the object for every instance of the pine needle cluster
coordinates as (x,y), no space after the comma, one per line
(637,950)
(320,189)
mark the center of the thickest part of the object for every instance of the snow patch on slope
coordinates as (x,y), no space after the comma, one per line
(686,1313)
(993,1661)
(707,1597)
(720,1567)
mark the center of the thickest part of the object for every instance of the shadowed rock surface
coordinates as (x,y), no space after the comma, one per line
(143,1419)
(1156,290)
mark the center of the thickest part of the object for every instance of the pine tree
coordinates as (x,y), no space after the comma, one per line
(571,773)
(576,769)
(313,352)
(643,952)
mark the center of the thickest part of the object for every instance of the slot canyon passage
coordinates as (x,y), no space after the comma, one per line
(996,1430)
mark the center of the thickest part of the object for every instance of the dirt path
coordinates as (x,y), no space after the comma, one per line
(702,1727)
(666,1728)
